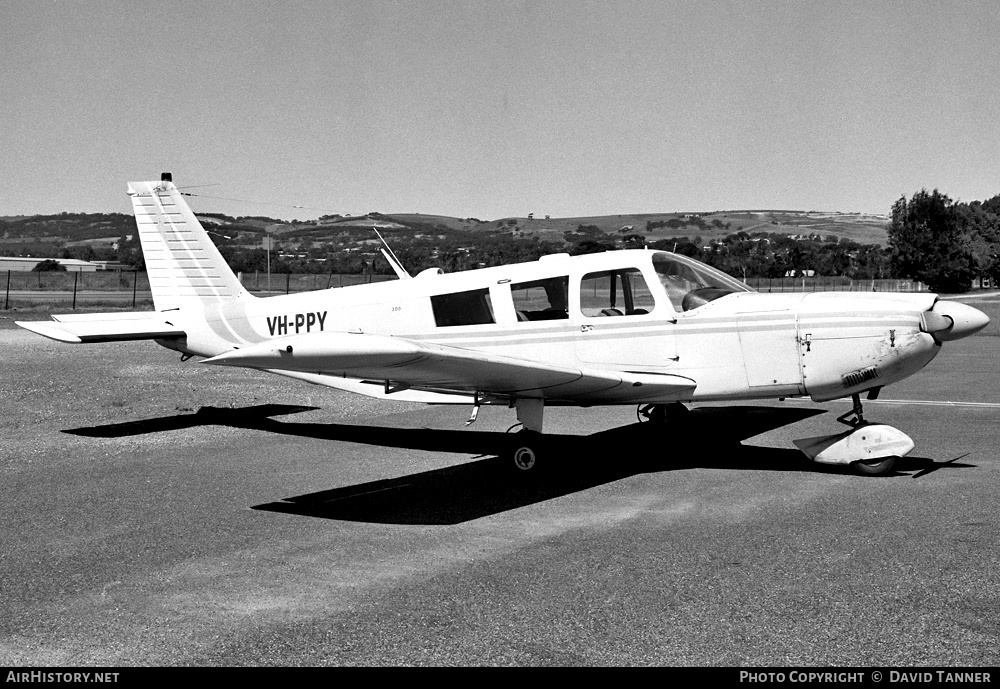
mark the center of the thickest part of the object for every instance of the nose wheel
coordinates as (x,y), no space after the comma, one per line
(875,467)
(870,449)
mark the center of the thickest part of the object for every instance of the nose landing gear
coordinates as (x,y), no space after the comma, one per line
(855,417)
(870,448)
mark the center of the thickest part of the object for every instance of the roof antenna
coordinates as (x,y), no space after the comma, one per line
(396,264)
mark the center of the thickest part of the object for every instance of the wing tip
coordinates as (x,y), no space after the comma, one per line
(49,330)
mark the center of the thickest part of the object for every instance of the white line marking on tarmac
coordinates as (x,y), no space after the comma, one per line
(939,403)
(930,403)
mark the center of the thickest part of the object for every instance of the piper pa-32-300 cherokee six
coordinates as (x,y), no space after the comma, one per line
(641,327)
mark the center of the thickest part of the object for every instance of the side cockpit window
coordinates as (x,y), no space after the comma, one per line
(541,300)
(463,308)
(620,292)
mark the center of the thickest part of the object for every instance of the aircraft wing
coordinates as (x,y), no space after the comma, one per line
(104,327)
(393,365)
(379,390)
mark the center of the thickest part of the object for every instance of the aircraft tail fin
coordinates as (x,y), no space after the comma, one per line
(185,268)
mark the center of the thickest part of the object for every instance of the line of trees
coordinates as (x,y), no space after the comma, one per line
(941,242)
(774,255)
(944,243)
(764,255)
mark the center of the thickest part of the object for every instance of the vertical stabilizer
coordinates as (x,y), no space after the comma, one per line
(185,268)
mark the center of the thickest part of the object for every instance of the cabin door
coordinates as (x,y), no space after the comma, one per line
(620,325)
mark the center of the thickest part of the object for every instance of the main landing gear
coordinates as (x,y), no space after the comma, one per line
(870,448)
(525,450)
(661,413)
(527,444)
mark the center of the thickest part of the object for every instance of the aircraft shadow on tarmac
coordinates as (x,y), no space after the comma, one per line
(489,484)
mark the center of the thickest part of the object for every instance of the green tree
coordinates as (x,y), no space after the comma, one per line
(591,246)
(981,228)
(48,265)
(130,253)
(930,242)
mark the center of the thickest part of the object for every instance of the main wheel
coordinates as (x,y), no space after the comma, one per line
(524,458)
(674,412)
(525,451)
(875,467)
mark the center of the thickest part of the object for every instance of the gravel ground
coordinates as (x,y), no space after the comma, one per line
(139,532)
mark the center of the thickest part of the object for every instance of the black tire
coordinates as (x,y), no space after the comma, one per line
(674,412)
(525,451)
(875,467)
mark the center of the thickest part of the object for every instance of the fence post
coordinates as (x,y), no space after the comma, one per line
(135,281)
(6,299)
(76,279)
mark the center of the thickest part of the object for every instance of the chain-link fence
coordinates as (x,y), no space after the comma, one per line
(287,283)
(131,288)
(834,284)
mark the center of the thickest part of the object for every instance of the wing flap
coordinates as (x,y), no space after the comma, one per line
(378,390)
(448,370)
(104,327)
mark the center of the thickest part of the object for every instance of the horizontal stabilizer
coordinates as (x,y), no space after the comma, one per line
(104,327)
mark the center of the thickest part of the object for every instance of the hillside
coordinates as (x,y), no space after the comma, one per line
(865,229)
(103,230)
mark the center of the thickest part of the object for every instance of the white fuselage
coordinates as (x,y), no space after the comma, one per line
(743,345)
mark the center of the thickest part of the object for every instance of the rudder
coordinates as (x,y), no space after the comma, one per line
(183,264)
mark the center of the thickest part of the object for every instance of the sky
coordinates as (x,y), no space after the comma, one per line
(499,108)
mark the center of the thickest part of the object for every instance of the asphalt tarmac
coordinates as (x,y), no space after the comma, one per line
(155,512)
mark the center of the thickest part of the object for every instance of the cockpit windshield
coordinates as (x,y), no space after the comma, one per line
(690,284)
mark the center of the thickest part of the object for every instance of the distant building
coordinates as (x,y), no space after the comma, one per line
(27,264)
(111,265)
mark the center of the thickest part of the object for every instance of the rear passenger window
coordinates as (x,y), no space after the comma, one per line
(463,308)
(541,300)
(615,293)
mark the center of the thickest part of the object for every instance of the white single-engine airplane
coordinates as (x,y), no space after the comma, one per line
(640,327)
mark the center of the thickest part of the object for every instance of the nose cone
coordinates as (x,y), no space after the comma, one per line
(965,320)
